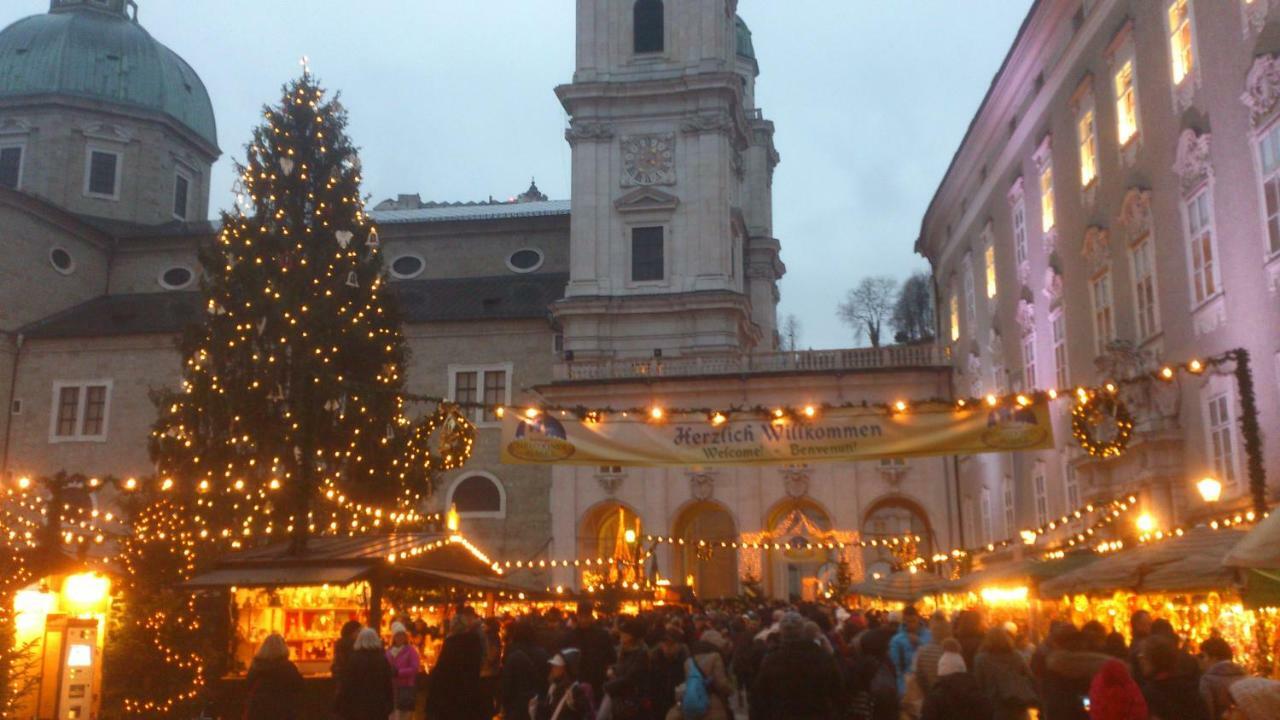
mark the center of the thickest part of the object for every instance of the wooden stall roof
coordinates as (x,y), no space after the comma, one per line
(1260,548)
(1028,571)
(1189,563)
(904,586)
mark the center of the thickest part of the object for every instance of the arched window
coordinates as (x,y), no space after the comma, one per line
(649,26)
(479,495)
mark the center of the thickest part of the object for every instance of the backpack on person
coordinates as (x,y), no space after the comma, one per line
(696,703)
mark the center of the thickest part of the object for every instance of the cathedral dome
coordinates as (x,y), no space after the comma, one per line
(92,49)
(746,48)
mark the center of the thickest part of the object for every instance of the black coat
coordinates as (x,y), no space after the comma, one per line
(1174,697)
(665,674)
(595,647)
(364,686)
(275,689)
(797,681)
(630,675)
(524,675)
(956,697)
(455,691)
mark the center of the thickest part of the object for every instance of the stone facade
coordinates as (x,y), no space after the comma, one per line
(1143,157)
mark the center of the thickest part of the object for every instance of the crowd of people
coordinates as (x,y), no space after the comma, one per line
(800,662)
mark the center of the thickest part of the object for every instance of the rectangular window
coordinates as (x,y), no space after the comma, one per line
(955,317)
(647,263)
(181,195)
(1181,44)
(1088,138)
(11,167)
(970,301)
(1020,232)
(1202,253)
(989,260)
(1059,322)
(1042,495)
(1269,157)
(103,174)
(1046,198)
(1071,485)
(1104,326)
(1009,517)
(1222,438)
(80,411)
(1029,361)
(1144,288)
(487,385)
(987,533)
(1126,102)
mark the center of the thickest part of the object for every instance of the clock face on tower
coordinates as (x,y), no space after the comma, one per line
(648,160)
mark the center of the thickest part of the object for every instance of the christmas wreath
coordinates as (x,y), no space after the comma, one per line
(1102,425)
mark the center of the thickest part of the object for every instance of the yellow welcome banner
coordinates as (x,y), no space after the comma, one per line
(845,434)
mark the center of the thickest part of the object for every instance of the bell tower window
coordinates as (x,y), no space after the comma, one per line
(647,261)
(649,26)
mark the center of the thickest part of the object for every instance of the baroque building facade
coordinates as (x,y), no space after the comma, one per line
(1113,208)
(656,282)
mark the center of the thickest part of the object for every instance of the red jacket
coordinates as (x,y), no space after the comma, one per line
(1113,695)
(404,666)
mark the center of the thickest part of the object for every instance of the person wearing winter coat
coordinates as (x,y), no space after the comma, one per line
(955,695)
(364,683)
(275,685)
(1220,674)
(666,669)
(798,680)
(455,692)
(594,644)
(1171,693)
(1257,698)
(524,671)
(626,690)
(1004,676)
(405,665)
(342,650)
(902,649)
(970,630)
(873,688)
(1069,671)
(565,697)
(1113,695)
(708,654)
(927,657)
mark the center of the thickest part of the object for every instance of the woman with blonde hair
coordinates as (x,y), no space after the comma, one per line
(275,685)
(364,690)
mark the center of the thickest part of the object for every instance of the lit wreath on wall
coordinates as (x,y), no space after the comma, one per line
(1102,425)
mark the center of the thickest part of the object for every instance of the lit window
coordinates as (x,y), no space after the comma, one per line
(11,167)
(989,259)
(1029,361)
(1059,322)
(647,261)
(955,317)
(1104,327)
(1088,148)
(102,176)
(1126,103)
(1042,495)
(181,196)
(1222,438)
(1046,198)
(1181,44)
(1203,248)
(489,385)
(1020,232)
(1269,157)
(1144,288)
(80,411)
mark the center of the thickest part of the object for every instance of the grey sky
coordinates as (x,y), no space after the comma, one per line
(453,99)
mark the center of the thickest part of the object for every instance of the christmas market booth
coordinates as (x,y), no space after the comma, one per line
(904,587)
(1179,577)
(1257,558)
(1009,591)
(372,579)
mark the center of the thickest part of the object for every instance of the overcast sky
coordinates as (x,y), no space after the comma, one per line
(453,99)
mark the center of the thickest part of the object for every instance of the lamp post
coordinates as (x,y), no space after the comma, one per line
(1210,489)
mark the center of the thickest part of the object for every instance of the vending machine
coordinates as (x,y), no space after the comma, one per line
(70,682)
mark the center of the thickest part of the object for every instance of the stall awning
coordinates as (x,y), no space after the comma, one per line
(903,586)
(1189,563)
(1260,548)
(251,576)
(1029,572)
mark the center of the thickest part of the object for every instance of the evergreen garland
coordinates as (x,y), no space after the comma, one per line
(1251,431)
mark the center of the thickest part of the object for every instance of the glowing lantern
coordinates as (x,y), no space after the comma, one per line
(1210,489)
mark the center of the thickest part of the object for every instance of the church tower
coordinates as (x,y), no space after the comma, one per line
(671,247)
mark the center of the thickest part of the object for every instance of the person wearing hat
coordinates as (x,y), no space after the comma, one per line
(405,665)
(455,691)
(955,695)
(625,690)
(708,653)
(565,698)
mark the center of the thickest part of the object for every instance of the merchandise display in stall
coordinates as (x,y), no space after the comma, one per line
(309,618)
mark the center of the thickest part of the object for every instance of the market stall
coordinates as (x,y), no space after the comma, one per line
(904,587)
(1009,591)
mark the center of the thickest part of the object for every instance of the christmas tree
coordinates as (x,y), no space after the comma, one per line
(291,382)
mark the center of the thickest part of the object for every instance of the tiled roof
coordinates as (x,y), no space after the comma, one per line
(504,297)
(503,211)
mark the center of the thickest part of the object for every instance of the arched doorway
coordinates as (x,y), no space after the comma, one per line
(895,517)
(713,569)
(611,531)
(794,570)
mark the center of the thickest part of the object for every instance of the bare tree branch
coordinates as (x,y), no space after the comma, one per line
(868,306)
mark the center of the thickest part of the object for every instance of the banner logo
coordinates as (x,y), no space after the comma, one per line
(541,439)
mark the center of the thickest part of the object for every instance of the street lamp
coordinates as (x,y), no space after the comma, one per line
(1210,489)
(1146,523)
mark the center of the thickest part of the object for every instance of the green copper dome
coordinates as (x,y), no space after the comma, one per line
(745,47)
(94,50)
